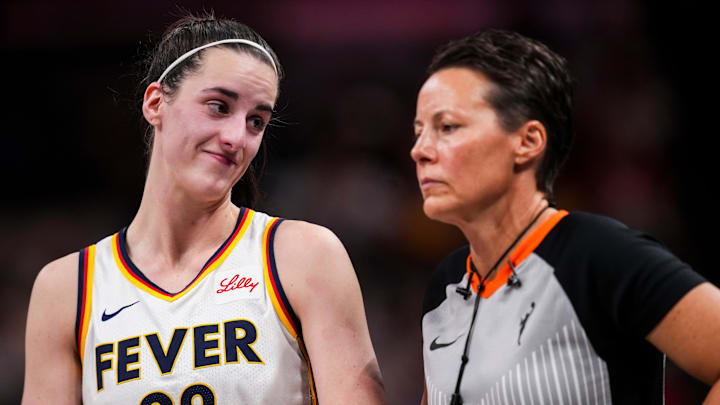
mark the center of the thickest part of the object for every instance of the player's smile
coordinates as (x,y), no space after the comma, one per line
(224,158)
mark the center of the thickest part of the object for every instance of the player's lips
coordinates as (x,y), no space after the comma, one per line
(223,158)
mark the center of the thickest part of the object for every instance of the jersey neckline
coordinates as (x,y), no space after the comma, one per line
(526,246)
(139,279)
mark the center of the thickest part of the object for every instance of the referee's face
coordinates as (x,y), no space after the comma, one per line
(464,159)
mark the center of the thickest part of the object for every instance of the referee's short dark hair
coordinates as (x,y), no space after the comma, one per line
(531,82)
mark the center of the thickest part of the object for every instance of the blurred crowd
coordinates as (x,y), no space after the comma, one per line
(73,158)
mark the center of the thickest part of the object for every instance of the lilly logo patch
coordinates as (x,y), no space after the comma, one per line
(237,283)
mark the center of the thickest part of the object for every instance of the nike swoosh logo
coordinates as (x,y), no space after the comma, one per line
(105,316)
(434,345)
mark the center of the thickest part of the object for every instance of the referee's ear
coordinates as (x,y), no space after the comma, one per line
(151,104)
(532,143)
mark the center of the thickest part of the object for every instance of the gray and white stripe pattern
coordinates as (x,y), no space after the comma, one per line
(564,370)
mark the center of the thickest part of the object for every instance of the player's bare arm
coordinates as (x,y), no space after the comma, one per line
(690,335)
(52,366)
(322,287)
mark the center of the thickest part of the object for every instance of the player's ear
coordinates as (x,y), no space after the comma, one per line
(152,101)
(532,142)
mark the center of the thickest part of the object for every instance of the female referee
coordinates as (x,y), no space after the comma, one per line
(542,306)
(199,300)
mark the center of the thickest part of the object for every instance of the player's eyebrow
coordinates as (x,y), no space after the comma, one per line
(235,96)
(264,107)
(228,93)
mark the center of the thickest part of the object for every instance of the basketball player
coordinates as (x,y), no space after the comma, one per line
(542,306)
(199,300)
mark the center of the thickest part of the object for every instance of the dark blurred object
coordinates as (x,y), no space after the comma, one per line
(73,157)
(681,388)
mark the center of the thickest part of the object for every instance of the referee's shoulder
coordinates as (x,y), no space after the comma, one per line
(452,267)
(583,236)
(449,271)
(586,221)
(588,230)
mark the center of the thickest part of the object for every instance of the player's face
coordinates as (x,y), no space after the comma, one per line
(463,158)
(213,125)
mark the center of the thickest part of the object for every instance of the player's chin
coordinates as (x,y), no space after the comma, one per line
(212,188)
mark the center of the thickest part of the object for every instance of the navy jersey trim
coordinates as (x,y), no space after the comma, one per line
(80,292)
(273,269)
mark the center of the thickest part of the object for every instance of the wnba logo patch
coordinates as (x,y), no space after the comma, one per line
(238,283)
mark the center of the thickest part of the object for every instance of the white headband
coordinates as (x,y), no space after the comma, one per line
(224,41)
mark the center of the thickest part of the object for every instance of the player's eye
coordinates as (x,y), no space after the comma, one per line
(218,107)
(257,123)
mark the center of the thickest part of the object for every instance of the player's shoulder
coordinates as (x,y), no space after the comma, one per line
(307,238)
(61,272)
(306,251)
(54,293)
(60,276)
(313,266)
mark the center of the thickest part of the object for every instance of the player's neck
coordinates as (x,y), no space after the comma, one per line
(173,226)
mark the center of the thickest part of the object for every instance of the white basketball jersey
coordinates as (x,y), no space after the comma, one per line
(229,337)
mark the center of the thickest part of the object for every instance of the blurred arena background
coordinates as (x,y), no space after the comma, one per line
(72,159)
